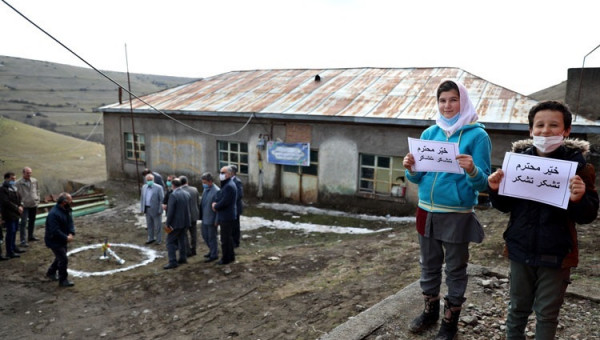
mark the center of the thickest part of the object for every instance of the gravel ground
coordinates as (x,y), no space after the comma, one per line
(484,316)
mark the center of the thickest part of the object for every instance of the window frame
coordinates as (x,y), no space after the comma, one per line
(395,175)
(236,149)
(132,140)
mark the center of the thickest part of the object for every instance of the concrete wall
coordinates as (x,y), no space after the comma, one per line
(587,99)
(172,148)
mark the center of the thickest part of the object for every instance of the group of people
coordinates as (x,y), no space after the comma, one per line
(541,240)
(218,209)
(19,200)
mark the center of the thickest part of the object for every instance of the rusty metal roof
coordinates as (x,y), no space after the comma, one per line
(362,94)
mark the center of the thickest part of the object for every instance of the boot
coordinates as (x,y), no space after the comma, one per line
(430,315)
(449,325)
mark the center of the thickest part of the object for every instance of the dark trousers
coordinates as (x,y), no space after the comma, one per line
(236,232)
(209,234)
(60,263)
(227,241)
(193,230)
(27,218)
(176,240)
(11,236)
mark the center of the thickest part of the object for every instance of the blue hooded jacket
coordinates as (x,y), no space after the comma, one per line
(448,192)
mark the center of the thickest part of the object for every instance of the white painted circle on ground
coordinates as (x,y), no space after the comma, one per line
(150,256)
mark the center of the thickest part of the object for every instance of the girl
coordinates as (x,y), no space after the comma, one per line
(446,221)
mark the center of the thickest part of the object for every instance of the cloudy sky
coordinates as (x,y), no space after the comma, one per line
(524,46)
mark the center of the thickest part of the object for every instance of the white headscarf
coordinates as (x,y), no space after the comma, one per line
(467,111)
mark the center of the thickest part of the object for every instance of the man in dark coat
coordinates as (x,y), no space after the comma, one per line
(178,221)
(60,231)
(195,213)
(11,208)
(225,206)
(239,206)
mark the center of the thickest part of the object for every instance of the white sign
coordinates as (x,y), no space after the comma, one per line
(540,179)
(434,156)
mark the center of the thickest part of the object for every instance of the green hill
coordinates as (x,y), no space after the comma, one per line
(62,98)
(56,159)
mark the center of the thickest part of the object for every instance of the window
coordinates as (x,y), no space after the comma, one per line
(382,175)
(312,169)
(233,153)
(135,147)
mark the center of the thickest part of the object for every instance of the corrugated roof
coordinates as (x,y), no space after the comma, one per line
(363,94)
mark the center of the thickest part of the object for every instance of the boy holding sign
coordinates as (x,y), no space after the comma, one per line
(541,239)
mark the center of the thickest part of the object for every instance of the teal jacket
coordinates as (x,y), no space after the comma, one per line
(447,192)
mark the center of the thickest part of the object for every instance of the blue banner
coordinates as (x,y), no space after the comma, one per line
(288,153)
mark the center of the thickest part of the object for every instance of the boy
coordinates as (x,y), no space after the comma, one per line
(541,239)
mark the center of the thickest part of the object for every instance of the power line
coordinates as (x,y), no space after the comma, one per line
(126,90)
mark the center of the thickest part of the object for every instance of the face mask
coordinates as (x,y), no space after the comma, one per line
(11,182)
(222,177)
(168,184)
(150,183)
(68,207)
(450,121)
(547,144)
(205,186)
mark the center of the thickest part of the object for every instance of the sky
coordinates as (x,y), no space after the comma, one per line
(522,45)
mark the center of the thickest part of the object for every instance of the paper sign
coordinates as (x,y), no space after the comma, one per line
(539,179)
(434,156)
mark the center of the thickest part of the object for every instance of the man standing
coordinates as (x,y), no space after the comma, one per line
(239,206)
(168,191)
(60,231)
(11,208)
(157,177)
(27,187)
(178,221)
(225,206)
(151,205)
(208,216)
(194,211)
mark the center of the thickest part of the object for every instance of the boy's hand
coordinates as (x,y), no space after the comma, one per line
(408,161)
(577,188)
(495,178)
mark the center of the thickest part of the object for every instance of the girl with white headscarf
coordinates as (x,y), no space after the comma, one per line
(446,221)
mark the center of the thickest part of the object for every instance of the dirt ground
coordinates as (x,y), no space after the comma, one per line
(284,284)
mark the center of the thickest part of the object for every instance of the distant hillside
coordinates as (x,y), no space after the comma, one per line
(62,98)
(54,158)
(556,92)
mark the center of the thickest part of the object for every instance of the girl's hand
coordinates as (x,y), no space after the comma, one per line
(577,188)
(466,162)
(495,178)
(408,161)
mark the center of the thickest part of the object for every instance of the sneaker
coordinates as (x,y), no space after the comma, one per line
(24,245)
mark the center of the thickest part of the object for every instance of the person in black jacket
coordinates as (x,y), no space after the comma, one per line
(225,206)
(239,206)
(541,239)
(60,230)
(11,208)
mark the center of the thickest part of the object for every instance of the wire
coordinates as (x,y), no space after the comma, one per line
(121,86)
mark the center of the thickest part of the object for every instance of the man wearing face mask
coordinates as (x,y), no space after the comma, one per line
(208,216)
(151,205)
(225,206)
(11,208)
(59,232)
